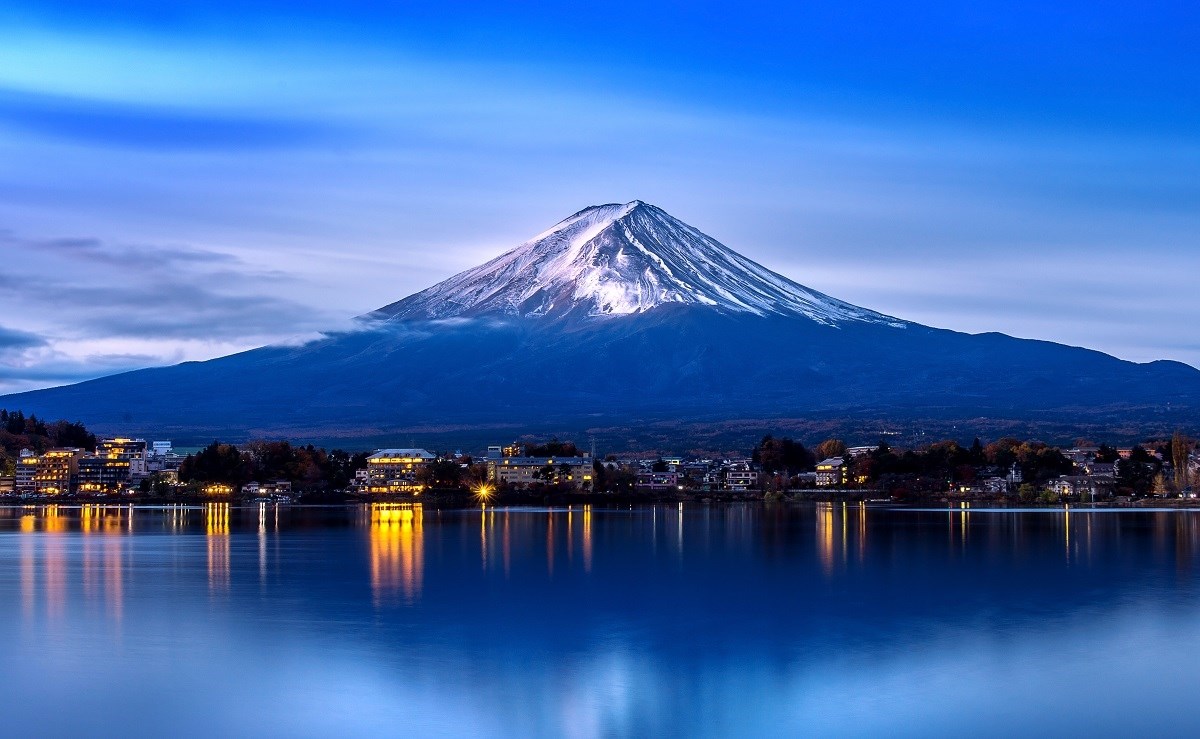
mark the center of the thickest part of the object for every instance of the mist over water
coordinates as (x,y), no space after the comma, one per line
(751,620)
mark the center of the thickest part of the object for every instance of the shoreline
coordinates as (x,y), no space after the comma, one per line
(467,501)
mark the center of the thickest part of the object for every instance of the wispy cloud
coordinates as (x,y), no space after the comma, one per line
(144,126)
(85,300)
(13,340)
(141,291)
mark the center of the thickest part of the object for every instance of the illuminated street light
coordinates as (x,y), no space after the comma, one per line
(484,492)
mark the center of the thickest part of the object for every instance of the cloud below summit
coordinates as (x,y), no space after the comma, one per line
(87,303)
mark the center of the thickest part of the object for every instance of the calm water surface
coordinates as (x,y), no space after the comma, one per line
(740,620)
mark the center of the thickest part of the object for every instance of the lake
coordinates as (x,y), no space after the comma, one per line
(745,620)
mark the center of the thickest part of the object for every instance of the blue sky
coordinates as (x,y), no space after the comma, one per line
(183,182)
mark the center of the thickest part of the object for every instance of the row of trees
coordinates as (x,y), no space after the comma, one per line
(945,463)
(306,467)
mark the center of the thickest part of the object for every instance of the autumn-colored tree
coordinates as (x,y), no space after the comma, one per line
(1159,486)
(831,448)
(1179,458)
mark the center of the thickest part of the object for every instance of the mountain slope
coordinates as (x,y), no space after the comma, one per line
(622,318)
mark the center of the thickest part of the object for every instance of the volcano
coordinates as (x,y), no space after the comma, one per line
(620,260)
(623,318)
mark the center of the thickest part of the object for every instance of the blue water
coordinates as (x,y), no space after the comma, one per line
(739,620)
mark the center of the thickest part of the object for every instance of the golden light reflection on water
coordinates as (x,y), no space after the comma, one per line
(587,538)
(1067,530)
(836,539)
(964,519)
(216,529)
(112,572)
(46,562)
(550,543)
(507,538)
(862,531)
(397,542)
(570,528)
(825,536)
(28,554)
(174,518)
(103,557)
(483,537)
(54,520)
(105,519)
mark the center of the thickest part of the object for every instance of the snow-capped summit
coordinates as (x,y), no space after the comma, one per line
(613,260)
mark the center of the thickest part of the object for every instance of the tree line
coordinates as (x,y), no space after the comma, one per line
(306,467)
(18,431)
(945,463)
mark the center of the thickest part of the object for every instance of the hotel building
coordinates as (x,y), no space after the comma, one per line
(54,472)
(391,471)
(574,472)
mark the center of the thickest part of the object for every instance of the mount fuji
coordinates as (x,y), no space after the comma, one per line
(624,322)
(618,260)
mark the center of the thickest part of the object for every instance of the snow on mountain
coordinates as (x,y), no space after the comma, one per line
(616,260)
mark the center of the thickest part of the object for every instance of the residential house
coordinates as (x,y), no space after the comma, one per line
(741,479)
(1083,487)
(1100,469)
(657,481)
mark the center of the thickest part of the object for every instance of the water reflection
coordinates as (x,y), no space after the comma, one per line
(104,555)
(52,565)
(601,621)
(397,542)
(216,528)
(587,538)
(825,528)
(104,519)
(565,534)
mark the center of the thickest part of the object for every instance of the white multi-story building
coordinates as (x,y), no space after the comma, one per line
(391,471)
(741,479)
(832,472)
(522,471)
